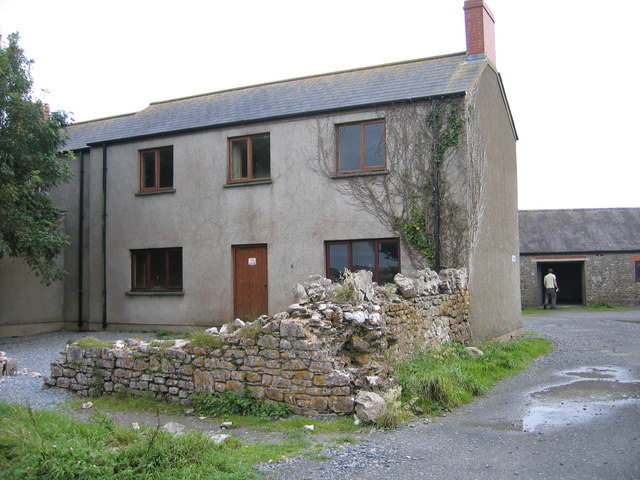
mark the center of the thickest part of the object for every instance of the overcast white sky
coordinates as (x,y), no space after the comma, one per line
(569,67)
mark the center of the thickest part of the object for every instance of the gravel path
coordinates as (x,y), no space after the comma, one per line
(521,430)
(35,354)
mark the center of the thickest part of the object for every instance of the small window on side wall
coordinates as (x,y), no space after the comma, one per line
(379,256)
(156,270)
(250,158)
(638,271)
(361,146)
(156,169)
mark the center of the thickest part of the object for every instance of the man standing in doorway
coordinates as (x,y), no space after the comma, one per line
(551,287)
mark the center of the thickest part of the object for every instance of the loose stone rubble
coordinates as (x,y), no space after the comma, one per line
(315,356)
(8,366)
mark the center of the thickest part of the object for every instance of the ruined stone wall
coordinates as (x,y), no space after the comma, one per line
(315,357)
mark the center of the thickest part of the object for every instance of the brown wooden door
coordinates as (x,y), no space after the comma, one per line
(250,278)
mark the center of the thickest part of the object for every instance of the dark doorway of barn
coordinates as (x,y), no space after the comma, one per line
(570,277)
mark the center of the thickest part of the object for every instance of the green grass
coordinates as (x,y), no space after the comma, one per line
(90,342)
(46,444)
(50,445)
(449,376)
(232,403)
(123,402)
(202,339)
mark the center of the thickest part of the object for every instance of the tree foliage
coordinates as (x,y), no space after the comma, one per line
(30,167)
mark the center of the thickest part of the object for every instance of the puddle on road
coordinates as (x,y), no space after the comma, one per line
(598,392)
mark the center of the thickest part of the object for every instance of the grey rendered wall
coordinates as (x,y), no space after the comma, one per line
(27,306)
(494,276)
(293,215)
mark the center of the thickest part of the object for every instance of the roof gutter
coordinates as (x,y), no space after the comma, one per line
(274,118)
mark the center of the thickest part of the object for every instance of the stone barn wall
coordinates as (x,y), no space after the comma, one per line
(315,357)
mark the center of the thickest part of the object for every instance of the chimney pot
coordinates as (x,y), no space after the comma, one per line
(480,29)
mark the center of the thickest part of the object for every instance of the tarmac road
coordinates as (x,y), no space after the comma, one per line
(575,414)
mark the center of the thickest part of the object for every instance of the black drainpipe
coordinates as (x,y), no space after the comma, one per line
(104,236)
(81,243)
(436,196)
(436,227)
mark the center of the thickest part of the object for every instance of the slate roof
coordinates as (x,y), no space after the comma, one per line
(579,230)
(351,89)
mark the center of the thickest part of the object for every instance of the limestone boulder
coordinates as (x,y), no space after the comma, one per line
(369,406)
(406,285)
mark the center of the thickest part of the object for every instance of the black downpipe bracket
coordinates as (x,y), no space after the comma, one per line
(81,243)
(104,236)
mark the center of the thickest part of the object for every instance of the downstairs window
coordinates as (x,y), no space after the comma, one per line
(156,270)
(381,257)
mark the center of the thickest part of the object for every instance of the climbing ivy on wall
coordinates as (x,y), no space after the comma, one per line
(422,229)
(410,196)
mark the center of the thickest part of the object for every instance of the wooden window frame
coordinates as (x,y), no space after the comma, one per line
(363,160)
(250,178)
(156,184)
(349,243)
(148,286)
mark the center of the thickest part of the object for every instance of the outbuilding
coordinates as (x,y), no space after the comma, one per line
(594,253)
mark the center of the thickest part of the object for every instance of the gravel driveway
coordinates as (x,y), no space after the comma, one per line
(575,414)
(35,354)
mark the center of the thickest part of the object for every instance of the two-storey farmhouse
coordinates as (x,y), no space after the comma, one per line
(198,210)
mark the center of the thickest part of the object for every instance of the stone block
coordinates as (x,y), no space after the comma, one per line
(342,404)
(235,386)
(253,377)
(274,394)
(269,341)
(83,379)
(320,367)
(319,404)
(269,354)
(292,328)
(254,362)
(280,382)
(75,354)
(295,364)
(63,382)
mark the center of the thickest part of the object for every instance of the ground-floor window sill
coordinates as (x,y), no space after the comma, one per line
(154,294)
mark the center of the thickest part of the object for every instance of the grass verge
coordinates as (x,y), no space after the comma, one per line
(46,444)
(450,376)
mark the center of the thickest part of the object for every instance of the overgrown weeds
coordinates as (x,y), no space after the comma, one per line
(205,340)
(450,376)
(232,403)
(46,444)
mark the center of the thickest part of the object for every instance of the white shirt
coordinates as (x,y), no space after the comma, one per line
(550,280)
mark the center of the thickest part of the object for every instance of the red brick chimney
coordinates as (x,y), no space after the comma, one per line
(480,27)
